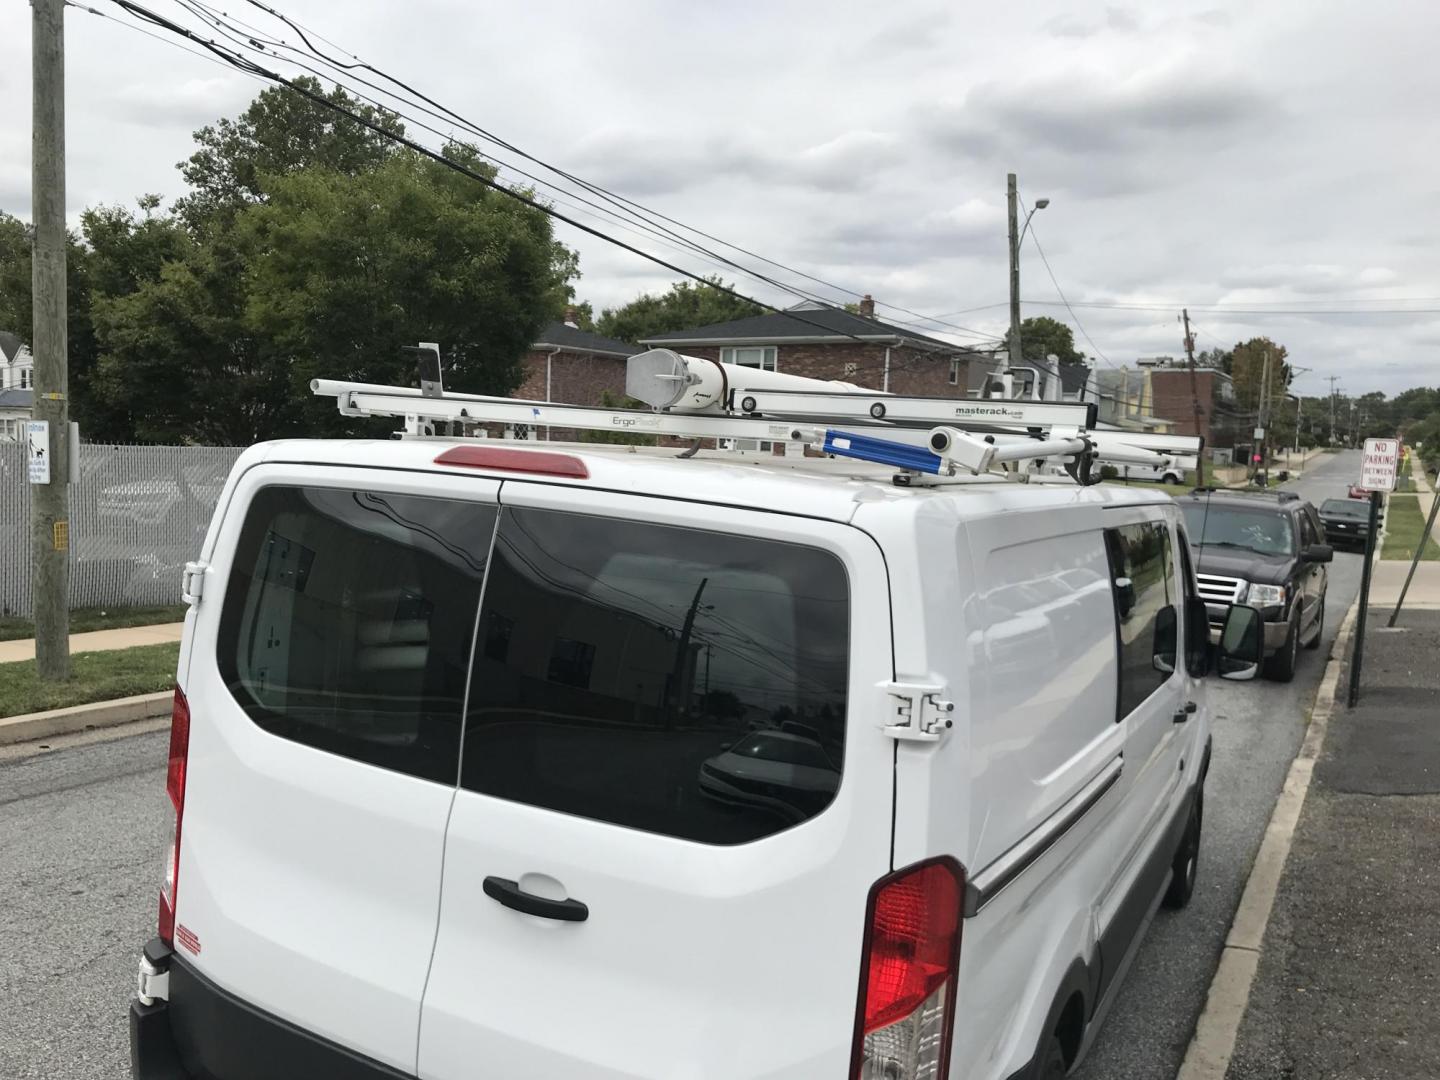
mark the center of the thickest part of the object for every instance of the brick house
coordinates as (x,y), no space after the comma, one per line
(827,343)
(574,366)
(1171,398)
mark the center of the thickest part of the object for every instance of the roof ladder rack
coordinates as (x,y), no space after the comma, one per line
(695,398)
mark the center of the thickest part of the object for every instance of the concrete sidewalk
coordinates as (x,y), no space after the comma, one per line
(98,640)
(1349,977)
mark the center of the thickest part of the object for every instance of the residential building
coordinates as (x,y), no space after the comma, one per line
(828,343)
(1032,378)
(1172,397)
(17,395)
(574,366)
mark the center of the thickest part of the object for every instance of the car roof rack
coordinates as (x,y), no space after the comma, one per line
(1278,494)
(929,440)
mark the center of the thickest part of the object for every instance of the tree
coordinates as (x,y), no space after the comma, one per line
(1043,336)
(686,305)
(1247,367)
(1214,358)
(280,133)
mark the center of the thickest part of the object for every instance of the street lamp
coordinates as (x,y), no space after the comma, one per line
(1040,204)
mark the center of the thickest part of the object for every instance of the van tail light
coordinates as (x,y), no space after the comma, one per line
(908,971)
(175,788)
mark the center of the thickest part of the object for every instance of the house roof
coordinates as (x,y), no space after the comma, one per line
(559,335)
(16,398)
(9,344)
(813,325)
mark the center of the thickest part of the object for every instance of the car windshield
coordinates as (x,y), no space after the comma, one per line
(1351,508)
(1266,532)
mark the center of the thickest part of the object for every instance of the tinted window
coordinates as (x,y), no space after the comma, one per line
(1307,531)
(1197,624)
(660,678)
(348,620)
(1266,532)
(1140,566)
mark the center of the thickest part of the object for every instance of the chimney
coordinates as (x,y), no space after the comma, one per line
(572,317)
(867,306)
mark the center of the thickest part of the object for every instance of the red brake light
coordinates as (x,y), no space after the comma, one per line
(507,460)
(910,962)
(175,788)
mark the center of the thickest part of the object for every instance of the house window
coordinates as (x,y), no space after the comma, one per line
(954,372)
(24,378)
(756,356)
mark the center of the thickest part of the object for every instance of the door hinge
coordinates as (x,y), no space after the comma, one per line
(192,582)
(918,712)
(152,983)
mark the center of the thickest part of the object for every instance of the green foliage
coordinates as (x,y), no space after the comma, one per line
(1043,336)
(687,304)
(1247,369)
(308,245)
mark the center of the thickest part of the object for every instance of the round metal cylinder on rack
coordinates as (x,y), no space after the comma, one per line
(665,379)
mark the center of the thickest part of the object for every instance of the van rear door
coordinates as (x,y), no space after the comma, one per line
(674,798)
(329,655)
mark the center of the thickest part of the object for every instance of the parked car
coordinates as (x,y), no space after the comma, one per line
(451,721)
(1346,521)
(1267,550)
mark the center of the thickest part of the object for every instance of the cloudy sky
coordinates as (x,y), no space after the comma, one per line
(1247,159)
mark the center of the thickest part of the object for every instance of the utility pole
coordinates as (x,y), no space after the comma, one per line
(1333,380)
(1262,444)
(50,502)
(1194,397)
(1012,200)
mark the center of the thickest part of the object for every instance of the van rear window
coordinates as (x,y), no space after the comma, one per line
(676,681)
(348,621)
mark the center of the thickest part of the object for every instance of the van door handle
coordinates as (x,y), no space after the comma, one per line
(512,896)
(1181,715)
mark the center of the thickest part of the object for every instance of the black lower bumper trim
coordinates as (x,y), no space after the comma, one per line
(206,1033)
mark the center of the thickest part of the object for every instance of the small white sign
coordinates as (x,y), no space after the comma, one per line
(37,433)
(1259,433)
(1382,459)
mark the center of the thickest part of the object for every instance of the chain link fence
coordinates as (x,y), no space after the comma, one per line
(137,515)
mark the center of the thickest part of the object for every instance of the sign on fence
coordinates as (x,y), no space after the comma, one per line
(1382,459)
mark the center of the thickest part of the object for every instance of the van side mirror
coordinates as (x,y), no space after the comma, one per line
(1321,553)
(1165,641)
(1242,644)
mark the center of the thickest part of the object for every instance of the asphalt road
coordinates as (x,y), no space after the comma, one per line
(83,828)
(1258,727)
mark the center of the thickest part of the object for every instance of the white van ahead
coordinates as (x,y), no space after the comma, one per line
(588,763)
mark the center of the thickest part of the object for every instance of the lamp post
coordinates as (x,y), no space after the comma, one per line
(1017,236)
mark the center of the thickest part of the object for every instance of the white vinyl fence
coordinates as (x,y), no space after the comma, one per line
(137,515)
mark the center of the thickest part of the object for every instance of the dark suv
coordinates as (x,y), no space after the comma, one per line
(1267,550)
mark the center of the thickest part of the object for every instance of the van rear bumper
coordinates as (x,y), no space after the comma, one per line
(205,1033)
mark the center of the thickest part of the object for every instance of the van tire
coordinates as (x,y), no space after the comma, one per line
(1185,870)
(1281,666)
(1052,1064)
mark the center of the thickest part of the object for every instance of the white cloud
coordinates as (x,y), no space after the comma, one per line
(1216,152)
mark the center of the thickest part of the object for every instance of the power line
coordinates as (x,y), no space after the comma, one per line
(619,200)
(242,63)
(1035,238)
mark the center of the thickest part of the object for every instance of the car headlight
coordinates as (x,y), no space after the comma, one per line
(1265,595)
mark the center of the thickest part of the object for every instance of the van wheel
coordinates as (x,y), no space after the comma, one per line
(1281,666)
(1052,1065)
(1186,868)
(1314,643)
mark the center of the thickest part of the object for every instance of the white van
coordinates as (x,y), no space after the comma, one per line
(590,764)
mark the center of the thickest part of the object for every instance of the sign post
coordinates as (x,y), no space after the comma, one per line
(1377,475)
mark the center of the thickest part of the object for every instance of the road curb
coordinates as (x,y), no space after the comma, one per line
(1209,1053)
(28,727)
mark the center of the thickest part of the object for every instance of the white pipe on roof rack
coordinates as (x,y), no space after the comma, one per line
(665,379)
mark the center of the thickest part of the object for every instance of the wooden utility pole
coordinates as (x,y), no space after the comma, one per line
(1194,397)
(1012,200)
(49,501)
